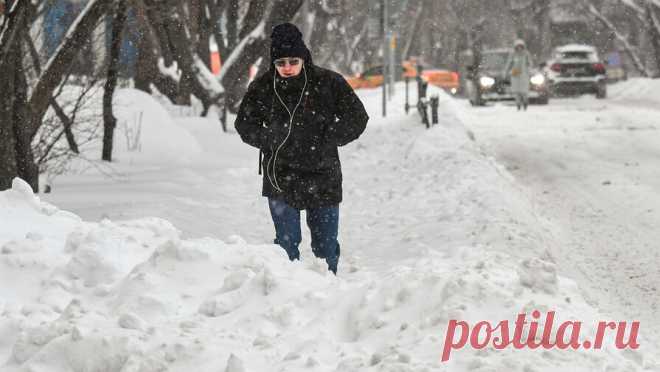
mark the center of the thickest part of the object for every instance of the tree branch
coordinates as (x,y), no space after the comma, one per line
(637,61)
(59,62)
(66,121)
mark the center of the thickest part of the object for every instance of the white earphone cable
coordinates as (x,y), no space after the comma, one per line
(291,116)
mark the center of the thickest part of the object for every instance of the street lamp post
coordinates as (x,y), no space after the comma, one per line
(383,23)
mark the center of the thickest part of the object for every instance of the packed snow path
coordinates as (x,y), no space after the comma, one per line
(592,166)
(405,192)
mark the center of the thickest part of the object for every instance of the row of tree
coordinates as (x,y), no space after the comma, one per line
(171,33)
(177,34)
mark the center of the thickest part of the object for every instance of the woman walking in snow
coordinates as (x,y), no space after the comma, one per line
(297,114)
(517,68)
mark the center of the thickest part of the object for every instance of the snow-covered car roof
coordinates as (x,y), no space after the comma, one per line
(575,48)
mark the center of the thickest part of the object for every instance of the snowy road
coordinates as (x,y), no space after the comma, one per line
(592,167)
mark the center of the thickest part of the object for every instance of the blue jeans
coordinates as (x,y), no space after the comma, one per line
(323,225)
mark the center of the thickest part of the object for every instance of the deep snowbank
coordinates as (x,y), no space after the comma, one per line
(135,296)
(145,137)
(409,190)
(147,134)
(637,90)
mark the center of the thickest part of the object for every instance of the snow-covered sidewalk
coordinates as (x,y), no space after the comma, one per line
(433,230)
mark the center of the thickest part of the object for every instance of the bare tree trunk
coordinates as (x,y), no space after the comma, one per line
(654,26)
(215,11)
(174,38)
(8,167)
(16,157)
(60,61)
(414,33)
(232,24)
(11,27)
(9,62)
(109,120)
(177,34)
(476,42)
(143,66)
(154,13)
(257,11)
(630,50)
(319,28)
(542,17)
(306,19)
(145,63)
(27,169)
(203,47)
(146,71)
(157,16)
(66,121)
(352,46)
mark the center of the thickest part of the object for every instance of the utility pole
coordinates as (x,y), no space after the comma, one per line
(392,62)
(384,30)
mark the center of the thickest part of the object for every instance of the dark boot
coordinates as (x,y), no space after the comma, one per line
(323,225)
(291,249)
(333,262)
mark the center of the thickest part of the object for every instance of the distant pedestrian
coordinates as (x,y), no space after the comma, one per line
(297,114)
(518,70)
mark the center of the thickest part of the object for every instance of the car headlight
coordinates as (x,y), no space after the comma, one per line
(537,79)
(487,81)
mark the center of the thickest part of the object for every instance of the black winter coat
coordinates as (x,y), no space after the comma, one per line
(301,163)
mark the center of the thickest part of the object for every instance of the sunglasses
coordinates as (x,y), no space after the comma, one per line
(281,62)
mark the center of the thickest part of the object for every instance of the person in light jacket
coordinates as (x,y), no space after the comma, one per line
(518,70)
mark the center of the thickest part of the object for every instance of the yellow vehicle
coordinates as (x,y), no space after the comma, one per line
(445,79)
(370,78)
(373,77)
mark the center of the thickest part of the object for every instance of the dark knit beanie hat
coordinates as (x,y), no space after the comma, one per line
(287,41)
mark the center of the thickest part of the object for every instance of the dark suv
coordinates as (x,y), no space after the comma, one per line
(494,85)
(576,69)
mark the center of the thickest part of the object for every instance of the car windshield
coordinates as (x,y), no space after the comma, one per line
(587,56)
(494,61)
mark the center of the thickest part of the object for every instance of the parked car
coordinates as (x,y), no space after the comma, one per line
(445,79)
(369,78)
(576,69)
(373,77)
(494,85)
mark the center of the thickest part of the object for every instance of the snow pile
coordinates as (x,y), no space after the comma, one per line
(454,234)
(146,133)
(145,137)
(135,296)
(416,189)
(636,90)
